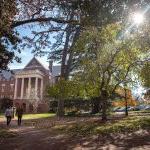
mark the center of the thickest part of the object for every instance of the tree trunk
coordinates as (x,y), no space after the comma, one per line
(104,110)
(95,105)
(69,62)
(60,108)
(126,103)
(104,96)
(126,113)
(65,68)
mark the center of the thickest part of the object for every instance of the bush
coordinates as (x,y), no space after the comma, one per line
(72,105)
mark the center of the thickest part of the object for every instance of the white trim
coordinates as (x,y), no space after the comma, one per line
(36,66)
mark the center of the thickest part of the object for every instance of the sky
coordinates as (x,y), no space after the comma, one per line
(138,91)
(25,58)
(26,55)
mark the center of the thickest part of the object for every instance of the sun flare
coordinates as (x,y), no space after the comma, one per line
(138,18)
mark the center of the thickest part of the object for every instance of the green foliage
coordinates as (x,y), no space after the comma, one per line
(72,105)
(66,89)
(145,75)
(105,60)
(8,37)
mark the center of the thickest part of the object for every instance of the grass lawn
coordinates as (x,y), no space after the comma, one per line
(38,116)
(32,116)
(1,115)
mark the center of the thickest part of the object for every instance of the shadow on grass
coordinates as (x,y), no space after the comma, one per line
(111,142)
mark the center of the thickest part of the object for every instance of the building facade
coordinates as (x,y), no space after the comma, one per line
(27,86)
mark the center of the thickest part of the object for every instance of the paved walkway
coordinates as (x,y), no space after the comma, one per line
(29,138)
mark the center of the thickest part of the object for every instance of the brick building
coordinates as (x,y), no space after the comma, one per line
(27,86)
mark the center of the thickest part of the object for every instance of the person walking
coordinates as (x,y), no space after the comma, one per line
(19,113)
(8,115)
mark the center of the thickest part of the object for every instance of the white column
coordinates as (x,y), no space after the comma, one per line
(36,87)
(41,89)
(29,87)
(22,88)
(16,84)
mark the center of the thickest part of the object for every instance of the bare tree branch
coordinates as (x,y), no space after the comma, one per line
(40,20)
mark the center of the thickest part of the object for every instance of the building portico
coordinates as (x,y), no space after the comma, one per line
(29,86)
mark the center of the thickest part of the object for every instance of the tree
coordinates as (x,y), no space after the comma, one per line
(33,98)
(65,19)
(65,89)
(8,37)
(145,75)
(106,61)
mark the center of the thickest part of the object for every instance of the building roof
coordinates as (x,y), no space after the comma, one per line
(33,64)
(8,74)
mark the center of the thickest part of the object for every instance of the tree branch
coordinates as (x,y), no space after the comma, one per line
(39,20)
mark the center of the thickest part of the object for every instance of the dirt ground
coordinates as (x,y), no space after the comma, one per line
(30,138)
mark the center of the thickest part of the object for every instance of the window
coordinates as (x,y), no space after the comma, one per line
(3,87)
(11,87)
(10,96)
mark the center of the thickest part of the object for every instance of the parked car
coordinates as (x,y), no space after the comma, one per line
(115,109)
(130,108)
(122,109)
(147,107)
(139,107)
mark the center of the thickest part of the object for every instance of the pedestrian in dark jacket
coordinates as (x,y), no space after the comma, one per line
(19,113)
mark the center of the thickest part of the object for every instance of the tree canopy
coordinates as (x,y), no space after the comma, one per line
(105,61)
(90,27)
(8,37)
(145,75)
(63,21)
